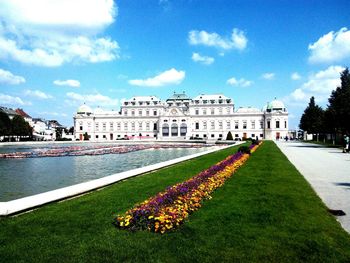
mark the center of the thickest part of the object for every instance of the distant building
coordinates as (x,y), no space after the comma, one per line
(209,117)
(10,112)
(25,116)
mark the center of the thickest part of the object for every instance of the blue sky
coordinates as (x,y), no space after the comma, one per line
(56,55)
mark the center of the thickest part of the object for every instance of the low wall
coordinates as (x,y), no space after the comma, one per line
(30,202)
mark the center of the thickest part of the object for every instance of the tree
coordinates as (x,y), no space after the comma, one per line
(86,136)
(20,127)
(339,104)
(5,124)
(312,119)
(229,136)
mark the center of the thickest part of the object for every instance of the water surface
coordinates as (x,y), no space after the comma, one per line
(29,176)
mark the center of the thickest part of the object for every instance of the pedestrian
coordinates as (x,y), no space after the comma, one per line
(344,143)
(347,141)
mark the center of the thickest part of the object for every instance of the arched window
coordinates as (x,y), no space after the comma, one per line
(183,129)
(165,130)
(174,130)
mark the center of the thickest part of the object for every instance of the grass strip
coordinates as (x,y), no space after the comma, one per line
(267,212)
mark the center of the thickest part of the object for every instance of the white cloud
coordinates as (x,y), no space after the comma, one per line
(238,40)
(295,76)
(169,77)
(239,82)
(37,94)
(11,100)
(332,47)
(69,82)
(268,76)
(7,77)
(319,85)
(196,57)
(50,33)
(92,99)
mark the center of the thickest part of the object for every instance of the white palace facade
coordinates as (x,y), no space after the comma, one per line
(207,117)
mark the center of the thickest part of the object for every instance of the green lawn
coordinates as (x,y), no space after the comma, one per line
(265,213)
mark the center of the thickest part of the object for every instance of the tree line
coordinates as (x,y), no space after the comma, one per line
(335,119)
(15,127)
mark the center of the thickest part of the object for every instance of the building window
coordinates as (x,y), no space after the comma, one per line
(204,125)
(174,130)
(154,113)
(244,124)
(228,125)
(132,113)
(111,126)
(252,125)
(197,112)
(204,111)
(228,110)
(220,125)
(96,126)
(104,136)
(268,124)
(197,125)
(125,112)
(261,135)
(212,111)
(212,135)
(261,124)
(81,127)
(140,126)
(220,111)
(133,126)
(140,112)
(118,126)
(183,129)
(253,135)
(147,126)
(277,124)
(212,125)
(147,112)
(220,135)
(125,126)
(96,136)
(89,126)
(236,135)
(236,125)
(104,126)
(285,124)
(155,126)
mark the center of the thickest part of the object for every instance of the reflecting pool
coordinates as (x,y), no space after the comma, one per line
(28,176)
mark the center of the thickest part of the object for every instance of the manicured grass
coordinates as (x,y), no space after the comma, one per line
(265,213)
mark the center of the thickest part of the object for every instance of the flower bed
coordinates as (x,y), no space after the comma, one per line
(168,209)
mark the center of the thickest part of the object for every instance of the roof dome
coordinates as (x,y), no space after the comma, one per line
(84,109)
(275,105)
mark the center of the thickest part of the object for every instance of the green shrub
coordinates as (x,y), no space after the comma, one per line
(229,136)
(244,149)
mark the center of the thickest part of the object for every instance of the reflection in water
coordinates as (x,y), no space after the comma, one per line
(25,177)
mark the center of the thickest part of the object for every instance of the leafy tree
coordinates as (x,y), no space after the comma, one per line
(86,136)
(312,119)
(5,124)
(20,127)
(339,105)
(229,136)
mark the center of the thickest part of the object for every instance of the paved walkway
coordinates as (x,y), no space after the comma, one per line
(328,172)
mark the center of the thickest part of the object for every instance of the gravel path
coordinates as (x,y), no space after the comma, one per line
(328,172)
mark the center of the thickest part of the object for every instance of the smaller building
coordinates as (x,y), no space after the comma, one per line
(10,112)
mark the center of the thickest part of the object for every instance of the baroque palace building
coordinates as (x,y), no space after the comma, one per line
(207,117)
